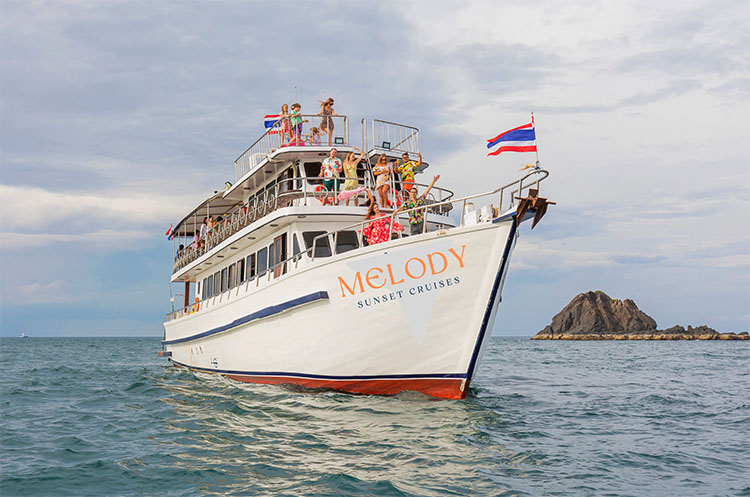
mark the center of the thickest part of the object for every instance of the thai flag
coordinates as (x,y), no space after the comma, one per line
(169,231)
(520,139)
(269,122)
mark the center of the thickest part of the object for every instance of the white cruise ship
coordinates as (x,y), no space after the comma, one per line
(285,289)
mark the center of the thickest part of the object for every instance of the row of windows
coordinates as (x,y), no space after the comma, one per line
(265,259)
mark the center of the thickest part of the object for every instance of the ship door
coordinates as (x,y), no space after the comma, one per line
(279,252)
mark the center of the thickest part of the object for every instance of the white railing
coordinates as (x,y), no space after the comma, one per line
(387,135)
(282,192)
(485,214)
(518,187)
(283,135)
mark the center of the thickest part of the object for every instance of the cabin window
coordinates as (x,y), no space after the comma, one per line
(217,283)
(224,279)
(232,276)
(346,241)
(262,261)
(250,267)
(312,170)
(271,257)
(197,287)
(322,248)
(207,287)
(285,186)
(278,248)
(241,271)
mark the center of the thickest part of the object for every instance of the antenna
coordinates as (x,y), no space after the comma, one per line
(295,93)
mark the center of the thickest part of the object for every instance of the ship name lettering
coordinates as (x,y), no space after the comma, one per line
(375,277)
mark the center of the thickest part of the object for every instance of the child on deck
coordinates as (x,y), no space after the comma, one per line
(295,117)
(314,137)
(286,127)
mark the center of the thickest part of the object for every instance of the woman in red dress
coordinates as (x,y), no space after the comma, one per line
(379,230)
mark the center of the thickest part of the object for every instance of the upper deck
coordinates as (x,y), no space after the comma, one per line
(275,172)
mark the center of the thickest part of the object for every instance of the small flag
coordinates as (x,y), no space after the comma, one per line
(520,139)
(169,231)
(272,121)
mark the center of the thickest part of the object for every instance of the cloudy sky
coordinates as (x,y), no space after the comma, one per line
(117,117)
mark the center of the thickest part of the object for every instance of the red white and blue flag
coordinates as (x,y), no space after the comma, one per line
(269,121)
(520,139)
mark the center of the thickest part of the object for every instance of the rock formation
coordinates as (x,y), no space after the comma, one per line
(596,316)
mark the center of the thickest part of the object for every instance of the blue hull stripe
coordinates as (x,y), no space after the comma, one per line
(491,303)
(323,376)
(263,313)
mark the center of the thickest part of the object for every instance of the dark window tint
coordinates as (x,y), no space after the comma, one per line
(217,283)
(322,248)
(262,261)
(241,271)
(224,279)
(232,277)
(346,241)
(250,266)
(207,287)
(312,170)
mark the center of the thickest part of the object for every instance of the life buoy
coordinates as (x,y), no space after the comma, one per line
(322,197)
(196,306)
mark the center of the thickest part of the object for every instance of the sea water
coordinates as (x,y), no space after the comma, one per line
(106,416)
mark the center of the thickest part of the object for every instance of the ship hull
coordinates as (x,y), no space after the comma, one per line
(410,314)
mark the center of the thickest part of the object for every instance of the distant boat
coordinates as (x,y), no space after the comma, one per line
(24,335)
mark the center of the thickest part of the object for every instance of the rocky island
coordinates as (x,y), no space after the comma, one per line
(596,316)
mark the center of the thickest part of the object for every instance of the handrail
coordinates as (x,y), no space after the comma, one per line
(397,134)
(275,137)
(463,200)
(310,252)
(265,202)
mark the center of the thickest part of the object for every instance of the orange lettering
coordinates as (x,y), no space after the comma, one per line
(368,277)
(357,280)
(460,259)
(432,266)
(424,268)
(390,273)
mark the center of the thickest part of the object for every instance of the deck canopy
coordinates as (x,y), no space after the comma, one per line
(216,205)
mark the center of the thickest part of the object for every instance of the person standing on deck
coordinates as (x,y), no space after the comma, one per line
(417,217)
(330,170)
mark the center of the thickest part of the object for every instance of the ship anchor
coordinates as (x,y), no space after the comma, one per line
(532,201)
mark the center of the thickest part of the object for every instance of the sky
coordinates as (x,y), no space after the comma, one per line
(116,118)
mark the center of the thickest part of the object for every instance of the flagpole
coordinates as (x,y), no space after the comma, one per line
(536,147)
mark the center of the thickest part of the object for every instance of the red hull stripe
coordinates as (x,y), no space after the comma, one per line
(527,148)
(445,388)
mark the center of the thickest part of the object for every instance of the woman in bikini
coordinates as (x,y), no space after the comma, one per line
(382,172)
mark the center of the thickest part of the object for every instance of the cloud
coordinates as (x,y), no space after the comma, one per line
(107,238)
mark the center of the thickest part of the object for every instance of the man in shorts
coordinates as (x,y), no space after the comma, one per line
(330,170)
(417,217)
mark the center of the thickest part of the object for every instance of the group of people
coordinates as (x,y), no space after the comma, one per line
(379,230)
(290,120)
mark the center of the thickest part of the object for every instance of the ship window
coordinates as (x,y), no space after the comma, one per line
(346,241)
(240,271)
(271,257)
(217,283)
(207,286)
(312,170)
(232,278)
(262,261)
(197,288)
(322,248)
(224,279)
(250,267)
